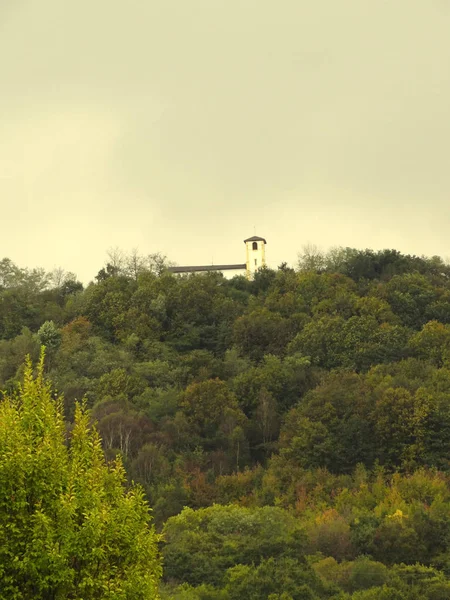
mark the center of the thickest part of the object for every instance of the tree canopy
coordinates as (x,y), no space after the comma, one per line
(291,433)
(68,527)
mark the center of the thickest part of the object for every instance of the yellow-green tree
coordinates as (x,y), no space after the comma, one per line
(68,527)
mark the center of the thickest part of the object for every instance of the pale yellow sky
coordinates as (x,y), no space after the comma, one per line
(180,125)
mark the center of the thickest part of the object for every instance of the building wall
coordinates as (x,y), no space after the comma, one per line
(228,274)
(255,259)
(232,273)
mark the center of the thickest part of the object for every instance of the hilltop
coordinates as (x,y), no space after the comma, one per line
(291,432)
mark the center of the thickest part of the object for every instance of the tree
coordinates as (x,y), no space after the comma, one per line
(206,403)
(199,546)
(432,342)
(68,528)
(410,295)
(400,426)
(58,278)
(330,535)
(332,426)
(267,416)
(321,340)
(132,265)
(212,410)
(49,336)
(311,259)
(12,276)
(287,576)
(396,541)
(261,332)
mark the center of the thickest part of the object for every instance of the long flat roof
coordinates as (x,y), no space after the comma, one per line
(207,268)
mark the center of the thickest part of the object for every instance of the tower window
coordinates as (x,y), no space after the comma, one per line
(255,245)
(256,262)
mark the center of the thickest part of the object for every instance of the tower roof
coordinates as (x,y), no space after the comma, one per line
(255,238)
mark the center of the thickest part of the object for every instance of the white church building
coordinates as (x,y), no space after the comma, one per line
(255,258)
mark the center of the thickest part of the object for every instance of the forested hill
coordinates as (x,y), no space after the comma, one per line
(291,433)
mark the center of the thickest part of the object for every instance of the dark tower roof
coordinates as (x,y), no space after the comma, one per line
(255,238)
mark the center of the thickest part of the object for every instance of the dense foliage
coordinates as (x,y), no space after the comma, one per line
(292,433)
(68,529)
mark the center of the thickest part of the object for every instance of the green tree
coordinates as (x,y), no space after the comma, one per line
(332,426)
(311,258)
(49,336)
(261,332)
(201,545)
(400,426)
(409,296)
(287,577)
(68,528)
(286,380)
(207,405)
(432,343)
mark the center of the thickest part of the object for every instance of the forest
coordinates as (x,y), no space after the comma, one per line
(291,433)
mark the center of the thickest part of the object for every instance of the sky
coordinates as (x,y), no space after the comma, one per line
(185,126)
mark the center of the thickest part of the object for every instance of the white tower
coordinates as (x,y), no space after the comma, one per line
(255,254)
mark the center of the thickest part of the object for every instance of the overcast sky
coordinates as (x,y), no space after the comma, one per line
(184,126)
